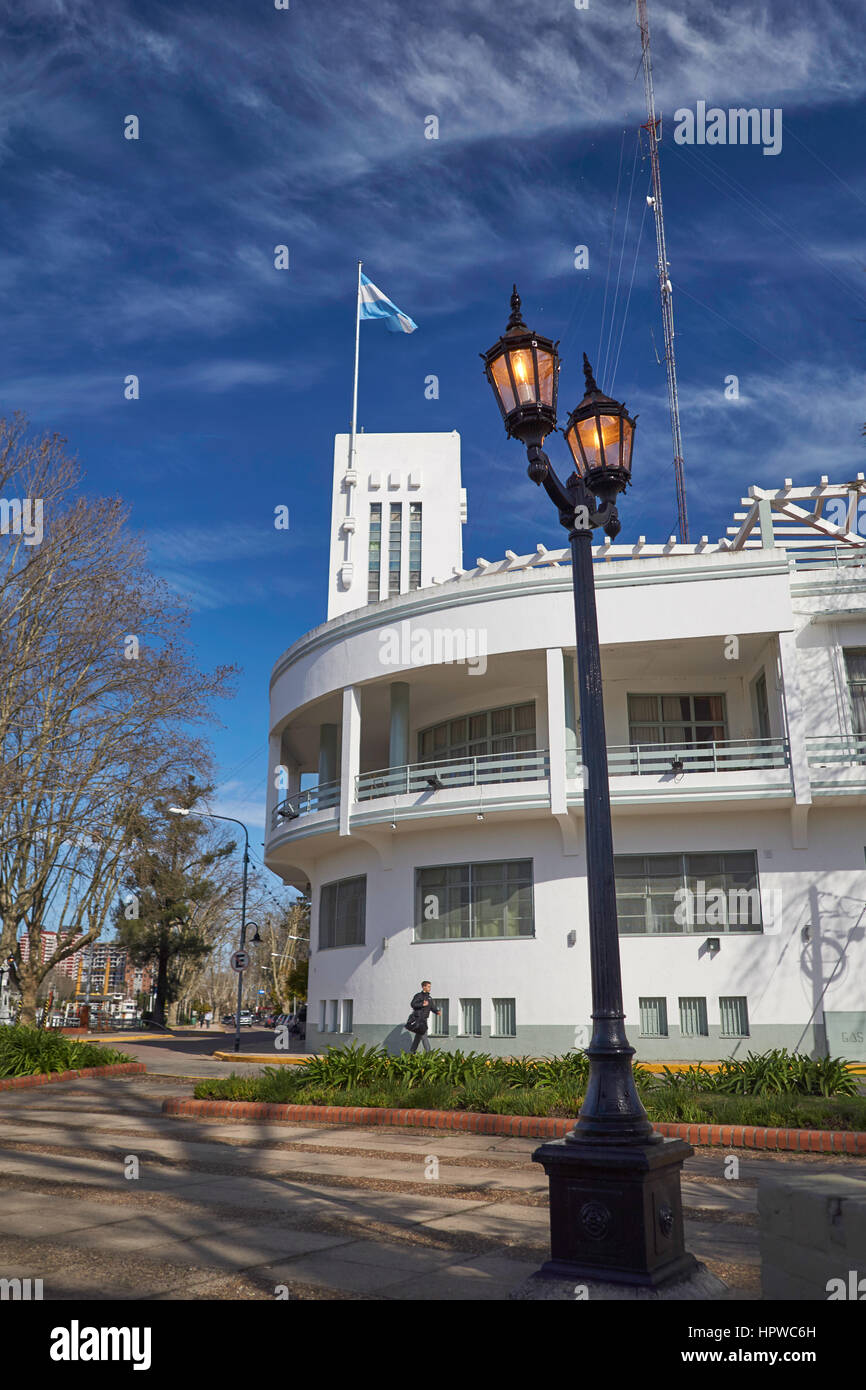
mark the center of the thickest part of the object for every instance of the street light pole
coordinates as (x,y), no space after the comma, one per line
(211,815)
(615,1201)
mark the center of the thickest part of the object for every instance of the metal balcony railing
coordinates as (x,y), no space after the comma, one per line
(454,772)
(323,797)
(722,755)
(836,750)
(832,556)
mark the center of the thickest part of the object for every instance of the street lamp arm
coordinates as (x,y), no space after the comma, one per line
(569,497)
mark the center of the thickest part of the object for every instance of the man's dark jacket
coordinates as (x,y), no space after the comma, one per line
(421,1006)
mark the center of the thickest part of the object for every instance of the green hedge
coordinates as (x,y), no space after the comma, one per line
(776,1089)
(32,1052)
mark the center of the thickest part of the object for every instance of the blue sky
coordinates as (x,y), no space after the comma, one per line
(306,127)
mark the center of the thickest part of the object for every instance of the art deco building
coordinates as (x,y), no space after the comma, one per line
(425,774)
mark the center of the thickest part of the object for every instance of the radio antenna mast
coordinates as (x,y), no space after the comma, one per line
(665,289)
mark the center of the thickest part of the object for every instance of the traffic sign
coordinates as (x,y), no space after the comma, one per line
(240,960)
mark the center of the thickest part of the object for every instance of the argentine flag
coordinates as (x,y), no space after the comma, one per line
(375,305)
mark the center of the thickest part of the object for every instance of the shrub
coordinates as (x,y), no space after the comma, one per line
(32,1052)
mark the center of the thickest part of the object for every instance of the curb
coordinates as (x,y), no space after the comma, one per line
(14,1083)
(517,1126)
(270,1059)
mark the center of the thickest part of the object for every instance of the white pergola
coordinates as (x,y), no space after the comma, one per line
(773,518)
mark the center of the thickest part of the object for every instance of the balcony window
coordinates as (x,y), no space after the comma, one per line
(855,664)
(682,894)
(464,902)
(684,719)
(496,731)
(342,910)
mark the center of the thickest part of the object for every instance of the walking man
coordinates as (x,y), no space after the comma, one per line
(421,1006)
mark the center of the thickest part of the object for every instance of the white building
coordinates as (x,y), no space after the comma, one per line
(425,774)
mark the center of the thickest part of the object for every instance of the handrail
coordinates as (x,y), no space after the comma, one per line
(479,770)
(717,755)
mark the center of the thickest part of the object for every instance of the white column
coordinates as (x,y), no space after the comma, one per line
(795,721)
(556,730)
(350,763)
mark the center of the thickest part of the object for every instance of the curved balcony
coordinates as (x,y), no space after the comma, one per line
(454,772)
(724,755)
(325,796)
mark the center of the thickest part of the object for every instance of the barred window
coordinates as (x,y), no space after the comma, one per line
(470,1018)
(653,1017)
(440,1020)
(504,1018)
(734,1015)
(693,1017)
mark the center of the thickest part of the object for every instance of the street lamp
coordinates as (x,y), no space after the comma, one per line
(211,815)
(615,1201)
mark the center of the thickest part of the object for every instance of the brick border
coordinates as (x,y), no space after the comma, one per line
(517,1126)
(14,1083)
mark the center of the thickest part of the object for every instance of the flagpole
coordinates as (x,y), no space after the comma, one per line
(355,386)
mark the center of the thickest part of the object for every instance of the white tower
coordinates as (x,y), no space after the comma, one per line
(396,517)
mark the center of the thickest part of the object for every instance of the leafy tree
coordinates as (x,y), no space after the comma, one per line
(173,877)
(97,702)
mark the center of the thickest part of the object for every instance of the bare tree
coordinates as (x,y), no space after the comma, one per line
(98,701)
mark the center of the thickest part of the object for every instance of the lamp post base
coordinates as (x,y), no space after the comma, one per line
(616,1212)
(700,1284)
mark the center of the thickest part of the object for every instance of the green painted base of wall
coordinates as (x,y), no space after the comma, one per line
(547,1041)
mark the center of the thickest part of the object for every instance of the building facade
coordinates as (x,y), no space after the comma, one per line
(425,775)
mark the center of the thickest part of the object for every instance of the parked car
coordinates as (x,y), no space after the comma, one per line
(228,1019)
(247,1019)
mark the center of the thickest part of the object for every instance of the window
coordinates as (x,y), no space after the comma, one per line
(735,1016)
(334,1016)
(504,1018)
(855,662)
(495,731)
(346,1025)
(395,542)
(653,1017)
(342,910)
(323,1014)
(374,566)
(470,1018)
(693,1017)
(688,719)
(414,545)
(463,902)
(662,894)
(440,1020)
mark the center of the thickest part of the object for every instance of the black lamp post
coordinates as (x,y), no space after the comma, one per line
(615,1203)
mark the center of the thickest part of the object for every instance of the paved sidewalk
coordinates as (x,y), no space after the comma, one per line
(236,1211)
